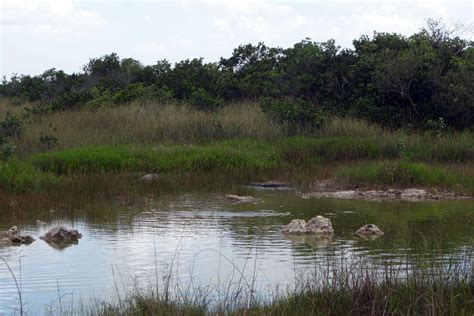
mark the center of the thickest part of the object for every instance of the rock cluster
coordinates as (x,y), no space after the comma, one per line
(316,225)
(13,236)
(61,234)
(412,194)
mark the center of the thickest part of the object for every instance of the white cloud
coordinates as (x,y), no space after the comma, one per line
(46,16)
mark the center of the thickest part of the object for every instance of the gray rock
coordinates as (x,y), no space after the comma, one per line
(240,199)
(414,194)
(296,226)
(61,234)
(370,231)
(316,225)
(13,236)
(149,177)
(319,224)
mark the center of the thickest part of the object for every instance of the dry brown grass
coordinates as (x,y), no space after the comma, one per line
(148,124)
(12,106)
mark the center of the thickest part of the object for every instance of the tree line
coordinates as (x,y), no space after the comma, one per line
(425,80)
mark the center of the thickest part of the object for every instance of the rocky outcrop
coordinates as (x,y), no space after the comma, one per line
(316,225)
(412,194)
(149,177)
(240,199)
(13,236)
(370,231)
(61,234)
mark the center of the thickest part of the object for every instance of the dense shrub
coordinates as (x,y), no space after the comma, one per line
(294,112)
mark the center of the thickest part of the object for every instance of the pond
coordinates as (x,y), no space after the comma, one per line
(201,240)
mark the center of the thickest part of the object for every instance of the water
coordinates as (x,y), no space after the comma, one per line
(202,240)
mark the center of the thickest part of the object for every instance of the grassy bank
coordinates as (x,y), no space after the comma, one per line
(432,288)
(343,157)
(175,138)
(154,124)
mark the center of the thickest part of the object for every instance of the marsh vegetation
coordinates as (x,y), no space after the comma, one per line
(393,112)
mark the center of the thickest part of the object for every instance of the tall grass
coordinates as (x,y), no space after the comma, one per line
(148,124)
(155,124)
(421,287)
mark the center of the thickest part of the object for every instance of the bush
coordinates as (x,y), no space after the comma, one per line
(155,93)
(293,112)
(202,100)
(6,149)
(10,127)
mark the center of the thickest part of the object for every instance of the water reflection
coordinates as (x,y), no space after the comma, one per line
(201,240)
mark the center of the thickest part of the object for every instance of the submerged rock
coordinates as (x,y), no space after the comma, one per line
(370,231)
(313,240)
(240,198)
(149,177)
(13,236)
(316,225)
(61,234)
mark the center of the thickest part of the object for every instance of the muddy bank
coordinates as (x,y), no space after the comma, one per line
(329,189)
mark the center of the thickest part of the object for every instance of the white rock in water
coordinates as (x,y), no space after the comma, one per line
(316,225)
(369,231)
(296,226)
(319,224)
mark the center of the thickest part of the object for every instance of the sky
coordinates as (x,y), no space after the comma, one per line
(36,35)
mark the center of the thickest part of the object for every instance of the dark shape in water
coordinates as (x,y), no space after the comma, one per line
(270,185)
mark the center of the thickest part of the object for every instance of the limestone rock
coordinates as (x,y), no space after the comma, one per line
(13,236)
(149,177)
(316,225)
(370,231)
(61,234)
(319,224)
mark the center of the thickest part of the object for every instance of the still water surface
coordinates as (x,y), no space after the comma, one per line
(204,240)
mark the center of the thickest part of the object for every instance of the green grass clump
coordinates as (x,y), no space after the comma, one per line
(19,176)
(402,173)
(226,156)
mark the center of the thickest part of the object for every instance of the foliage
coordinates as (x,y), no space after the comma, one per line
(294,112)
(390,79)
(202,100)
